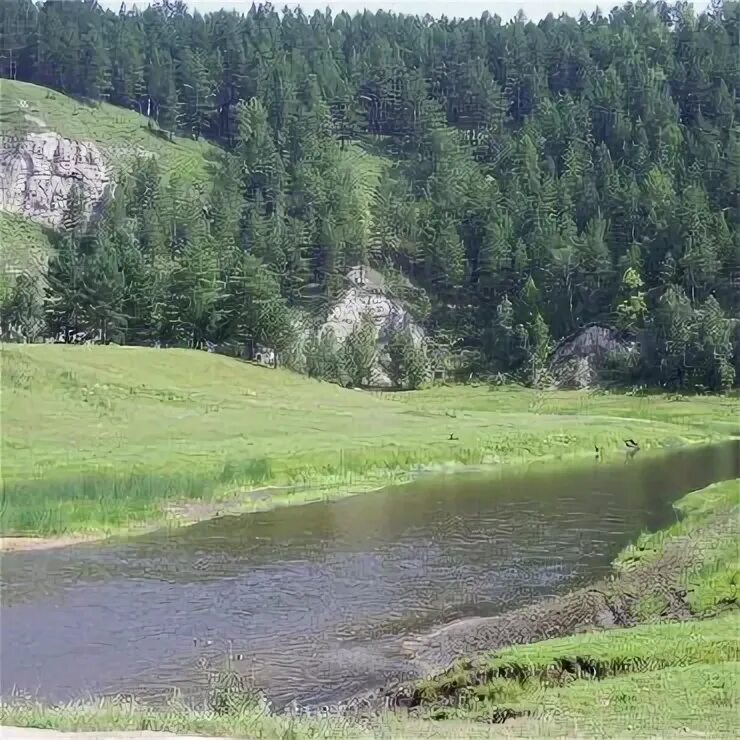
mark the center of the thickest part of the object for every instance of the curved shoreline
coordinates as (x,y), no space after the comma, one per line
(611,603)
(462,655)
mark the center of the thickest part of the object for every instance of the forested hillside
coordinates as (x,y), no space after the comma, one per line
(530,178)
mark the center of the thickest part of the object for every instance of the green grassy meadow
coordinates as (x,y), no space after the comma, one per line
(97,439)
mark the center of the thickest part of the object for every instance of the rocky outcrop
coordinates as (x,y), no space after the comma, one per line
(366,295)
(38,171)
(388,315)
(579,360)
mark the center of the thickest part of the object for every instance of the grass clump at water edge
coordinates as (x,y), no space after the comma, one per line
(232,709)
(708,528)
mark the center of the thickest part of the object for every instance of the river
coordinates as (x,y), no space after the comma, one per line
(314,600)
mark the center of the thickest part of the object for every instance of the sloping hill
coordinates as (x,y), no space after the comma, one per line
(48,142)
(118,133)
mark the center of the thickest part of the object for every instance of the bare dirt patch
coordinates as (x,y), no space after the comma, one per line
(242,502)
(23,544)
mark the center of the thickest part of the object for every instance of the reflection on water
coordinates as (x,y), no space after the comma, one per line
(316,597)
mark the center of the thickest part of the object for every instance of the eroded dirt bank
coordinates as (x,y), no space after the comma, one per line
(615,602)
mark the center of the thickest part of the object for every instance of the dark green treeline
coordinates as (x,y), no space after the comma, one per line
(530,178)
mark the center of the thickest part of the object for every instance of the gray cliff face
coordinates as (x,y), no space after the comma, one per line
(38,171)
(388,315)
(578,360)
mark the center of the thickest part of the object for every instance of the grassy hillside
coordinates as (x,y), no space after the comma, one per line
(96,437)
(119,133)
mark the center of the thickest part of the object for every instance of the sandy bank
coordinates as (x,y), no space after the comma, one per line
(24,544)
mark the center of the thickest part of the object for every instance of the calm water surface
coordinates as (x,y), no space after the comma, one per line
(317,598)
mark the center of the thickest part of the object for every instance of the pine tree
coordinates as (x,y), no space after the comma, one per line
(94,65)
(359,352)
(563,160)
(714,347)
(539,350)
(22,309)
(64,300)
(417,364)
(103,289)
(631,309)
(672,331)
(408,364)
(198,292)
(397,360)
(323,358)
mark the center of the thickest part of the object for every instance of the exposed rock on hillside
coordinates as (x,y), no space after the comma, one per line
(578,360)
(38,171)
(366,295)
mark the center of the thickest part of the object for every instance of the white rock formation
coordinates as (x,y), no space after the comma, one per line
(365,296)
(38,171)
(388,315)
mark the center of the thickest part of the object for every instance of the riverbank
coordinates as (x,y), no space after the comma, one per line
(98,441)
(662,632)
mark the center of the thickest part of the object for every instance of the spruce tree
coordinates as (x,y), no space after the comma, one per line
(417,363)
(359,352)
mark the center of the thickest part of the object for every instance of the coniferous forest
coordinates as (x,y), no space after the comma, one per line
(515,180)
